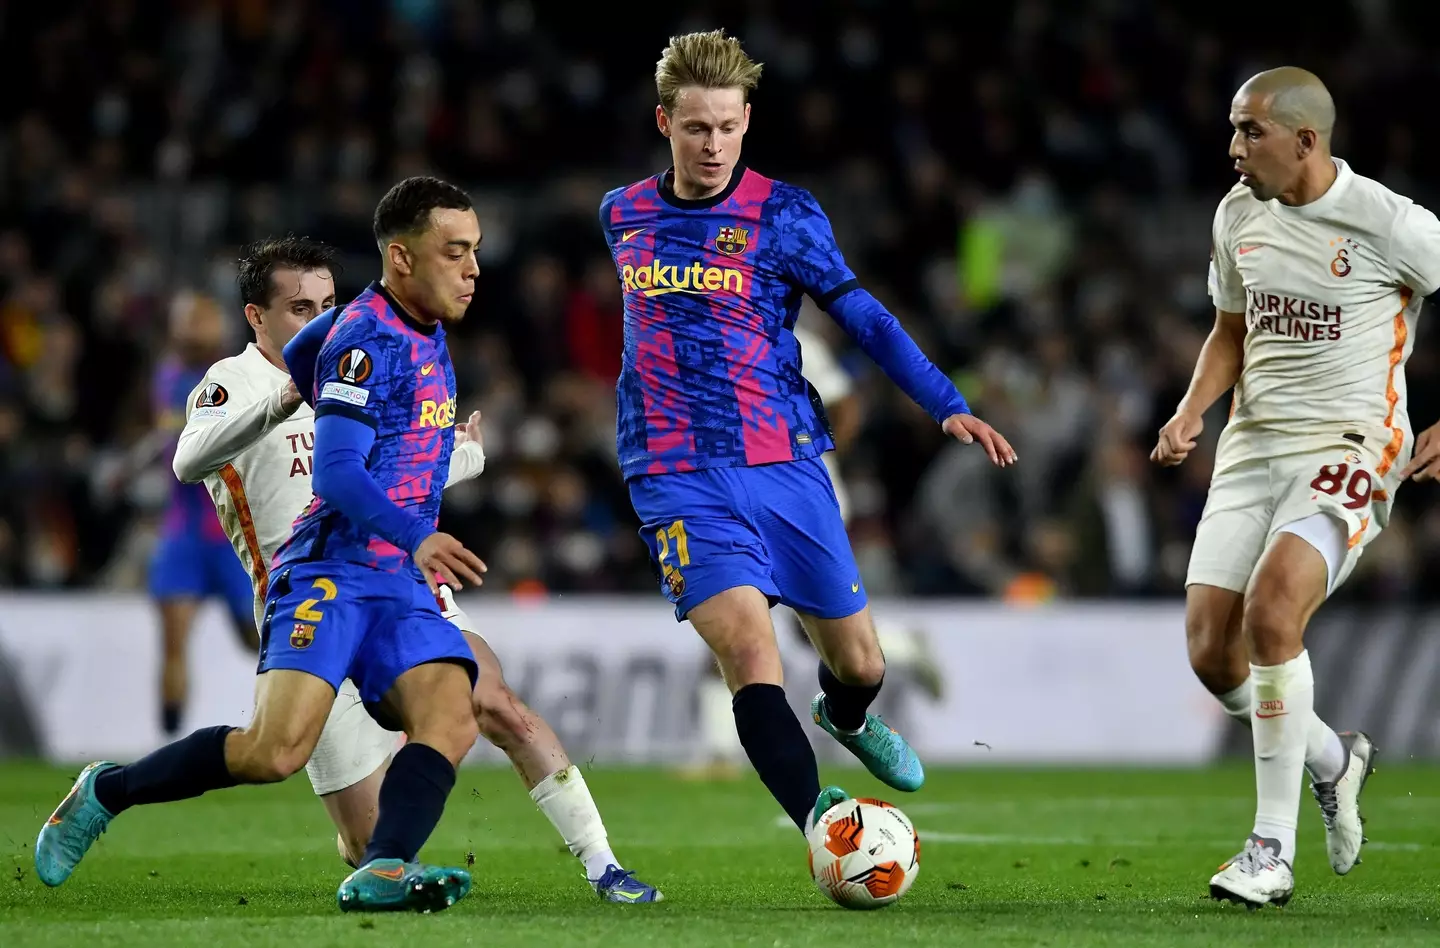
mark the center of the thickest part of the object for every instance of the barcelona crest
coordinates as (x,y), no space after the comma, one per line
(302,635)
(732,240)
(676,582)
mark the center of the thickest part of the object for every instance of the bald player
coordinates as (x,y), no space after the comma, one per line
(1317,275)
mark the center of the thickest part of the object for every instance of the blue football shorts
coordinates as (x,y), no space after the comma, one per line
(187,567)
(776,527)
(338,620)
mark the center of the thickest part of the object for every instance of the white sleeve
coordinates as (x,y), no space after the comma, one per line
(821,369)
(1415,249)
(466,461)
(216,431)
(1226,286)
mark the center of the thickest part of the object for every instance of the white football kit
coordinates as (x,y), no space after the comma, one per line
(1330,291)
(256,462)
(832,383)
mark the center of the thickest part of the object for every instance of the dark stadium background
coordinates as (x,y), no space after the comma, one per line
(143,142)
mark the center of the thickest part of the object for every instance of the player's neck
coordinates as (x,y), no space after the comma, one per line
(1315,179)
(690,191)
(274,358)
(406,308)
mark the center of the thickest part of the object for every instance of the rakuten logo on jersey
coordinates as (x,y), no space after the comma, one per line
(434,414)
(654,278)
(1292,316)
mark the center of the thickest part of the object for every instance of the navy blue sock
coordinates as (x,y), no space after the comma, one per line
(778,748)
(187,768)
(412,797)
(846,704)
(170,718)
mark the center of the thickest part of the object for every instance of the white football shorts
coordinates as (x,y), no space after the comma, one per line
(1253,498)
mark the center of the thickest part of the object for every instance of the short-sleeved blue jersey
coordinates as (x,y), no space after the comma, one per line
(383,368)
(711,371)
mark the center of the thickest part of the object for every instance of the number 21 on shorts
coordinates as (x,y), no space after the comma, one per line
(671,573)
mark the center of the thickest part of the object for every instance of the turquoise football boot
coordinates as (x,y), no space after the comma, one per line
(71,830)
(828,798)
(393,885)
(878,746)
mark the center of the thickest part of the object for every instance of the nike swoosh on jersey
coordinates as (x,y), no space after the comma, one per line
(427,368)
(1244,250)
(630,233)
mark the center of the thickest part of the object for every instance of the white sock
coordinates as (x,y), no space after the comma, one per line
(1238,701)
(1284,707)
(719,741)
(567,804)
(1324,754)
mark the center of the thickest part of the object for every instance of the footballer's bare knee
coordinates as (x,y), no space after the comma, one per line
(848,646)
(1289,584)
(290,712)
(257,755)
(502,718)
(736,625)
(1214,639)
(436,703)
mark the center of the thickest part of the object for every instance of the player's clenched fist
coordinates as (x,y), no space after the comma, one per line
(1177,439)
(967,429)
(443,555)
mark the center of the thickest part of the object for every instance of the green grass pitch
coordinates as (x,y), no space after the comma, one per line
(1010,857)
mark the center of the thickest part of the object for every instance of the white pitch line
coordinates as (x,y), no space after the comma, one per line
(1007,839)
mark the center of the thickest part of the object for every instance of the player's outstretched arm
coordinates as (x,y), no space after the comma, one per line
(215,434)
(1216,372)
(817,265)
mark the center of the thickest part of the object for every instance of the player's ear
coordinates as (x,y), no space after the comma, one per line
(745,125)
(399,256)
(255,316)
(1305,141)
(662,120)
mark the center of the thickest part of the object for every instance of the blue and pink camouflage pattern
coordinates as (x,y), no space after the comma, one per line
(189,512)
(380,367)
(711,370)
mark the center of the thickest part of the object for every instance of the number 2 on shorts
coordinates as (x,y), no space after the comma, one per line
(675,532)
(306,611)
(1358,485)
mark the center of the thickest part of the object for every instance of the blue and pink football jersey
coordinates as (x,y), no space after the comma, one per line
(381,367)
(189,512)
(711,370)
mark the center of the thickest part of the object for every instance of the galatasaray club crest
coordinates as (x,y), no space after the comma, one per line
(732,240)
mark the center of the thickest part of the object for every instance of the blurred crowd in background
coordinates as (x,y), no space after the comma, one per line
(1028,185)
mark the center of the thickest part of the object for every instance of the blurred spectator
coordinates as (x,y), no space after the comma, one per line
(1029,186)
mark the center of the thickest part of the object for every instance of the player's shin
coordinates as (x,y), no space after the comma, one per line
(187,768)
(412,799)
(847,704)
(566,802)
(1284,708)
(777,746)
